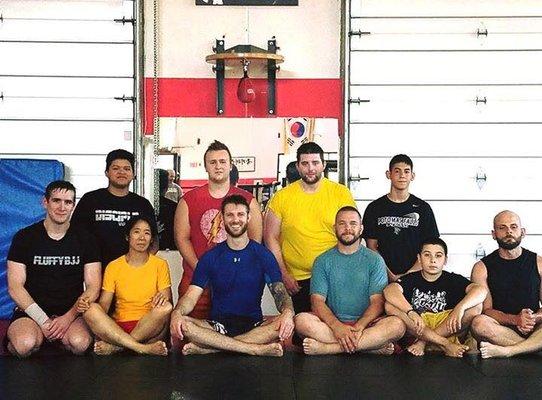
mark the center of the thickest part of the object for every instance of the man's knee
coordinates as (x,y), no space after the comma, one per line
(474,311)
(79,343)
(93,310)
(483,327)
(25,344)
(389,309)
(395,326)
(304,323)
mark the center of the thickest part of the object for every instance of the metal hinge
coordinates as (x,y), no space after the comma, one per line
(357,100)
(358,33)
(126,98)
(125,20)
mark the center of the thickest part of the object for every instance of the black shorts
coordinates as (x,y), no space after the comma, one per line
(234,326)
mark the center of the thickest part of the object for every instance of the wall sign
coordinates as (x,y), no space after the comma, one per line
(245,164)
(247,2)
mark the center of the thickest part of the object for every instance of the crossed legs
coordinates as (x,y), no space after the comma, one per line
(259,341)
(144,339)
(501,341)
(319,338)
(25,337)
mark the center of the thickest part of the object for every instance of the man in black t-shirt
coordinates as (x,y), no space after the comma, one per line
(511,322)
(48,262)
(397,223)
(104,212)
(436,306)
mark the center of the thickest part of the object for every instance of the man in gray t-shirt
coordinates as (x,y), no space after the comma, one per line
(346,297)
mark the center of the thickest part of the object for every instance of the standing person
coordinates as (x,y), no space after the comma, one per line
(437,306)
(299,222)
(139,283)
(397,223)
(47,265)
(198,221)
(511,322)
(173,192)
(346,295)
(236,271)
(166,214)
(104,212)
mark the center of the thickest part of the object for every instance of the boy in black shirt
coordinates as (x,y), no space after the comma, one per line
(397,223)
(104,212)
(48,262)
(436,306)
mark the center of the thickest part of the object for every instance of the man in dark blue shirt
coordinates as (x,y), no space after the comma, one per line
(236,272)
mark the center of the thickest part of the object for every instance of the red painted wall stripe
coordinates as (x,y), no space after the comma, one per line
(182,97)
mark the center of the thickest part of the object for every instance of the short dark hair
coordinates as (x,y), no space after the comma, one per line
(134,220)
(234,175)
(119,154)
(58,185)
(234,199)
(292,174)
(310,148)
(163,181)
(436,241)
(348,208)
(401,158)
(216,146)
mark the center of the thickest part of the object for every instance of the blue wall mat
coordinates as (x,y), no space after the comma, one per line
(22,183)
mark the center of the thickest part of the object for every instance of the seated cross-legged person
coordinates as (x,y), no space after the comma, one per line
(141,286)
(236,272)
(436,306)
(346,297)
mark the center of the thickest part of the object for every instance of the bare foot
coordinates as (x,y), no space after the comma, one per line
(313,347)
(489,350)
(102,348)
(386,350)
(158,348)
(454,350)
(417,348)
(192,348)
(272,349)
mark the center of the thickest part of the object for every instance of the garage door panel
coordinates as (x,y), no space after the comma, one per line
(446,104)
(402,8)
(445,67)
(447,34)
(52,137)
(445,140)
(455,179)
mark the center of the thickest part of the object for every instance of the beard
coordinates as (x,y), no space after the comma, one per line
(237,234)
(509,245)
(311,181)
(345,242)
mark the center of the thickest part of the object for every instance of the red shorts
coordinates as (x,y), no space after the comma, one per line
(127,326)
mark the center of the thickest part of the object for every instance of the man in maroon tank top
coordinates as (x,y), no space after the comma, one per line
(198,220)
(511,322)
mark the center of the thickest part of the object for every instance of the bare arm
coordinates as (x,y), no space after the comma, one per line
(255,224)
(375,309)
(161,297)
(182,234)
(393,293)
(93,282)
(283,301)
(16,280)
(272,228)
(185,305)
(479,276)
(538,314)
(475,294)
(322,311)
(106,298)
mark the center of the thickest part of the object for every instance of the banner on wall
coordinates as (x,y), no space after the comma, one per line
(246,2)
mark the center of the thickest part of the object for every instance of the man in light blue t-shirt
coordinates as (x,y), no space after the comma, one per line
(346,297)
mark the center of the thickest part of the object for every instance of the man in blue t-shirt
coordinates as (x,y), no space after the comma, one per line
(236,271)
(346,297)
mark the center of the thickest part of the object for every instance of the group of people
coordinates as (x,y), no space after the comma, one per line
(95,278)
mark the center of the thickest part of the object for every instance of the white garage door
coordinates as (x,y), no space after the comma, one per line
(67,83)
(457,86)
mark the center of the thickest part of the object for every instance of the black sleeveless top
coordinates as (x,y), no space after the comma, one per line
(513,284)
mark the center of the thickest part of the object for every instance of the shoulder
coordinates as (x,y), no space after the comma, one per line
(381,201)
(158,261)
(326,256)
(479,271)
(455,277)
(419,202)
(374,257)
(246,194)
(29,230)
(94,194)
(196,193)
(411,277)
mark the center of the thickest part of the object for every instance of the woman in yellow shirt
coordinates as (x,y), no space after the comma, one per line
(141,286)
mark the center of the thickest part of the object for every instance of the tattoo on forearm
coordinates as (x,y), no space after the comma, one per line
(281,296)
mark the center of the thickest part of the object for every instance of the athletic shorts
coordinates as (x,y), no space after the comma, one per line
(127,326)
(234,326)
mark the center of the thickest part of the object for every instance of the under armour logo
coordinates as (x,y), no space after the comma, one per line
(236,259)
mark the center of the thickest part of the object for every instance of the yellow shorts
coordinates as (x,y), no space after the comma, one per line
(433,320)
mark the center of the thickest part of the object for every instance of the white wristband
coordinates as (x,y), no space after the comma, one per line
(36,313)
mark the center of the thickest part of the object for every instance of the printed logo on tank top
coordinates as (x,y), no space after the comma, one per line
(428,301)
(115,216)
(62,261)
(212,226)
(397,223)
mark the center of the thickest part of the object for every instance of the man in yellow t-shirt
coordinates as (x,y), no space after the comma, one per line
(299,222)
